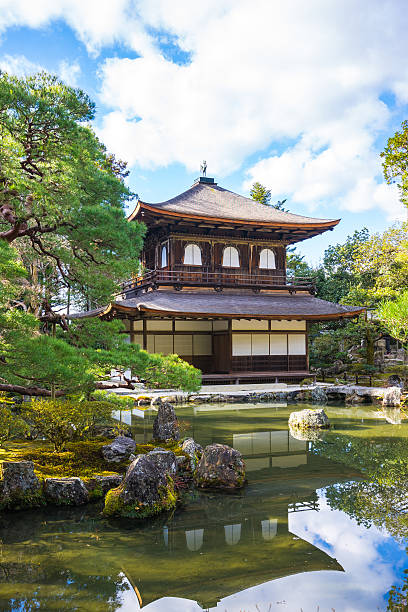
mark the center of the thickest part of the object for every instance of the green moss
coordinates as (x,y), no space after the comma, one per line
(172,445)
(82,459)
(115,507)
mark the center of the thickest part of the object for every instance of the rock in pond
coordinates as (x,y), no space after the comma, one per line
(118,450)
(193,450)
(165,426)
(395,381)
(19,486)
(319,395)
(392,396)
(66,491)
(145,491)
(309,419)
(220,467)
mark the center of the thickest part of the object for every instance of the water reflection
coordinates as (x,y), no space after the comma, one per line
(303,533)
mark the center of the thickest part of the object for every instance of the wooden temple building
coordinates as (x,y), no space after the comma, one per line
(215,289)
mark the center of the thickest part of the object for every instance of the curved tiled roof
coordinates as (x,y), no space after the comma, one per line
(276,306)
(206,199)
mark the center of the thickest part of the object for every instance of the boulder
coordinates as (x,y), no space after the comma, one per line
(66,491)
(392,396)
(395,381)
(121,448)
(319,396)
(145,491)
(165,426)
(309,419)
(165,460)
(220,467)
(193,450)
(19,486)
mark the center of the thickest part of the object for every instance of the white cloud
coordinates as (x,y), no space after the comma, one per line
(69,73)
(18,65)
(262,74)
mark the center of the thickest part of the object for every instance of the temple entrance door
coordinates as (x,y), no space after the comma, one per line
(222,353)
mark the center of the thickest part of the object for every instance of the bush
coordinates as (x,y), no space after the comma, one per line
(11,426)
(61,421)
(118,402)
(171,372)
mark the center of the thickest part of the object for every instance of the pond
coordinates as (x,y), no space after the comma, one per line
(321,525)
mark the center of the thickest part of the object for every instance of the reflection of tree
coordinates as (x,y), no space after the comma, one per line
(381,499)
(59,588)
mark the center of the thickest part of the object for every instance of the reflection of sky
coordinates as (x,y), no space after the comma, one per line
(372,560)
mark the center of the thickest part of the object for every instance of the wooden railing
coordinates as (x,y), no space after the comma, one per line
(203,277)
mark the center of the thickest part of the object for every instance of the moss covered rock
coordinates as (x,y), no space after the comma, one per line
(220,467)
(66,491)
(145,491)
(121,448)
(19,486)
(165,426)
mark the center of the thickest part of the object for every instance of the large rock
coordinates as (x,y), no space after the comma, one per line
(118,450)
(319,396)
(395,381)
(164,460)
(193,450)
(146,490)
(66,491)
(309,419)
(165,426)
(19,486)
(392,396)
(220,467)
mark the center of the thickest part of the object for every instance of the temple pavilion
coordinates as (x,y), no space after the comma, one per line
(215,289)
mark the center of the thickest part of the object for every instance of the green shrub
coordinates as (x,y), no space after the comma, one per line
(171,372)
(11,426)
(63,420)
(119,402)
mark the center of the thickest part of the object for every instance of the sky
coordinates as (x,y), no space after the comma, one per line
(301,96)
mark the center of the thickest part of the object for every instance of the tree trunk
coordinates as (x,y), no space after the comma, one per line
(32,391)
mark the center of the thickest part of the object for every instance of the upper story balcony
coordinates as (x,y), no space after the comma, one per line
(200,276)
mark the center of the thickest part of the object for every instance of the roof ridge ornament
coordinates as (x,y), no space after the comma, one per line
(203,168)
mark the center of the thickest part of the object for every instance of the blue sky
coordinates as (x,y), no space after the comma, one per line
(301,97)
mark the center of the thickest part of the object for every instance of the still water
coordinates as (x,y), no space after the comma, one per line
(322,525)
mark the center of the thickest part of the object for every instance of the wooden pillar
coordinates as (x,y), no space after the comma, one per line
(144,335)
(307,345)
(230,344)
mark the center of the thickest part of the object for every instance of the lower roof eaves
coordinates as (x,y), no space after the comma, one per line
(208,304)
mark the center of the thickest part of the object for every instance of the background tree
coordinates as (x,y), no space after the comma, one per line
(395,161)
(61,196)
(394,316)
(263,195)
(63,235)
